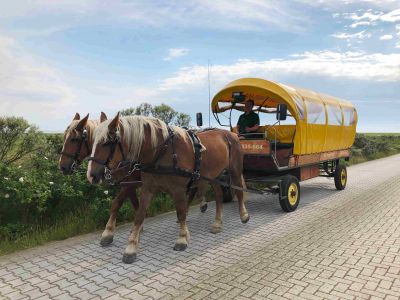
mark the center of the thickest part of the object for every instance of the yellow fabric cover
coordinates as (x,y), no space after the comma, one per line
(284,133)
(309,138)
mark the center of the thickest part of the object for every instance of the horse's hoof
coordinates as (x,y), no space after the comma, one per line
(203,208)
(129,258)
(216,229)
(245,219)
(180,247)
(107,240)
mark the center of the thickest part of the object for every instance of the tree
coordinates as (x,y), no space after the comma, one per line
(144,109)
(17,139)
(128,112)
(164,112)
(182,120)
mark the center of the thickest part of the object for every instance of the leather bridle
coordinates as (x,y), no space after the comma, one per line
(114,143)
(81,140)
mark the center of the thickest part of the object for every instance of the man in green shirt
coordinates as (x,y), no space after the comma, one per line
(249,121)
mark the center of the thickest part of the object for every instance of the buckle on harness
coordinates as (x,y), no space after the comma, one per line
(136,167)
(107,173)
(196,175)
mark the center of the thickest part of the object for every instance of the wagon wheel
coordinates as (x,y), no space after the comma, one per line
(227,194)
(340,177)
(289,196)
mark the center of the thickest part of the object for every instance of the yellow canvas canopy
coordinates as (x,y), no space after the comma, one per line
(323,123)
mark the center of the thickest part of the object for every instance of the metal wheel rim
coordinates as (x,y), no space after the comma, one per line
(293,194)
(343,177)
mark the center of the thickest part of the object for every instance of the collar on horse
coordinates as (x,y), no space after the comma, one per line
(82,140)
(154,168)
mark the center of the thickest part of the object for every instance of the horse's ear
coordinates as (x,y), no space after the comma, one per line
(82,123)
(103,117)
(112,127)
(77,117)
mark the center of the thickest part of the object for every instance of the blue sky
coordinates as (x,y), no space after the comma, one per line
(60,57)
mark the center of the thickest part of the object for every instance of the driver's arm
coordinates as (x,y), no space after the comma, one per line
(254,128)
(225,108)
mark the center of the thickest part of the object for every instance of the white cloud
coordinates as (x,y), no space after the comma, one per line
(386,37)
(346,5)
(360,23)
(359,35)
(29,86)
(221,14)
(371,17)
(351,65)
(176,52)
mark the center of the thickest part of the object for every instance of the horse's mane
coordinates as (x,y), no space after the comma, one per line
(134,133)
(90,125)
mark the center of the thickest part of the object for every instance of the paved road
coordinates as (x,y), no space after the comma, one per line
(337,245)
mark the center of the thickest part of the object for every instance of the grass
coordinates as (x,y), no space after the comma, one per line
(74,224)
(80,222)
(381,133)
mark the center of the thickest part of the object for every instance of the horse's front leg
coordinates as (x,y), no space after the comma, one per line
(181,211)
(133,241)
(133,197)
(107,236)
(217,226)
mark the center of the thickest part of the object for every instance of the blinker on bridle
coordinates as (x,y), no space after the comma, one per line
(75,156)
(114,142)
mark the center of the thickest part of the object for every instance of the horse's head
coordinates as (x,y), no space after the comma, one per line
(108,150)
(75,147)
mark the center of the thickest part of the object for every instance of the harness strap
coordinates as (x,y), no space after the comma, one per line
(197,159)
(75,156)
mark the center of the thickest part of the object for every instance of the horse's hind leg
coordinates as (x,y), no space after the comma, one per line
(239,181)
(107,236)
(217,226)
(203,204)
(181,211)
(133,242)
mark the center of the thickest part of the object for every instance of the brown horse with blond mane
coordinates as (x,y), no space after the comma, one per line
(141,140)
(78,144)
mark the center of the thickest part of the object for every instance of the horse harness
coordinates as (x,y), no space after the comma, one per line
(107,170)
(83,139)
(155,168)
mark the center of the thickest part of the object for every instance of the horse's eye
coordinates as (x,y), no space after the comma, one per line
(74,139)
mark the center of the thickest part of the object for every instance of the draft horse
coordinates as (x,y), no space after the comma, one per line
(78,144)
(160,150)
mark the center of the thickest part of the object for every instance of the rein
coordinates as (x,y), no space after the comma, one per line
(75,156)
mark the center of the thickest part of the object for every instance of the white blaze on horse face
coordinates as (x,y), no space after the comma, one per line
(89,170)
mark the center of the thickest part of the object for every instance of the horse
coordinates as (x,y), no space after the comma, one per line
(78,143)
(139,140)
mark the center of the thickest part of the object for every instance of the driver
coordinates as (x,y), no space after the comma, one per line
(249,121)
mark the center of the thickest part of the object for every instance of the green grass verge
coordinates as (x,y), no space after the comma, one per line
(80,222)
(74,224)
